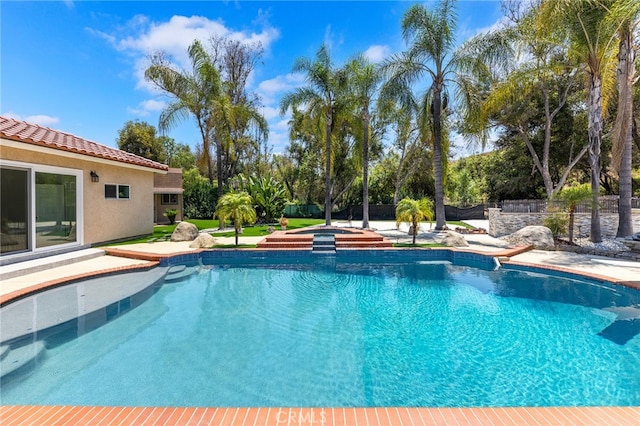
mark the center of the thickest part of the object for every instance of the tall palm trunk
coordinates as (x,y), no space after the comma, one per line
(625,219)
(365,171)
(437,157)
(594,110)
(327,172)
(624,126)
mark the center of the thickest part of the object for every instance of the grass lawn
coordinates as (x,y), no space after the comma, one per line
(163,232)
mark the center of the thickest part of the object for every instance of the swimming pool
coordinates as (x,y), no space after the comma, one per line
(398,328)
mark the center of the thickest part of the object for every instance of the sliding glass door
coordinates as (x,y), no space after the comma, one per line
(39,207)
(14,210)
(55,209)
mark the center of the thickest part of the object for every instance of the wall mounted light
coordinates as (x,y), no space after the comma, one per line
(94,176)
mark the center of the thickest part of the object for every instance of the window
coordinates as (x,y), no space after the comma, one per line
(169,198)
(117,191)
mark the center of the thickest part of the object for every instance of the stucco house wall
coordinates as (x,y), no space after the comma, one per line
(101,219)
(104,219)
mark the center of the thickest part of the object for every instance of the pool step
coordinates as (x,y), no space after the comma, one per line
(324,243)
(179,272)
(21,356)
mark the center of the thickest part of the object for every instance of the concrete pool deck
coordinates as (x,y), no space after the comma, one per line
(33,275)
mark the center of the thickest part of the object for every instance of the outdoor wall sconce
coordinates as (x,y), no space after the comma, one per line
(94,176)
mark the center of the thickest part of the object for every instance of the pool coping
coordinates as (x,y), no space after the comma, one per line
(70,415)
(112,415)
(154,259)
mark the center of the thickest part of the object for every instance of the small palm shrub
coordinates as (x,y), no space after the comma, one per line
(557,222)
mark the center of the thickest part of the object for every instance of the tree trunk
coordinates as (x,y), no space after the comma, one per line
(625,219)
(437,158)
(624,126)
(327,172)
(594,108)
(415,231)
(365,172)
(219,166)
(572,217)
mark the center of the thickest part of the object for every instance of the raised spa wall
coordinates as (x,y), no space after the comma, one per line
(501,224)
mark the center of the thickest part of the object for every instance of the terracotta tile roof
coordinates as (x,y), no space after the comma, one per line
(34,134)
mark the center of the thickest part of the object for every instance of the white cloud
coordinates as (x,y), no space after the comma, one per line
(142,37)
(377,53)
(269,113)
(271,90)
(41,119)
(144,108)
(279,135)
(500,24)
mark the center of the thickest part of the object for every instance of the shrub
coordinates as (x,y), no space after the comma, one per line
(557,222)
(171,215)
(200,196)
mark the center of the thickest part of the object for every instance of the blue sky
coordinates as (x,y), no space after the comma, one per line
(77,66)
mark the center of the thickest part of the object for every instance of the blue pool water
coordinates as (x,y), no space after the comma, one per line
(340,331)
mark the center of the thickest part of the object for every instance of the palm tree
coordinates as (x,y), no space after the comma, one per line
(572,196)
(233,123)
(625,12)
(323,96)
(431,35)
(364,81)
(592,38)
(414,212)
(238,207)
(196,93)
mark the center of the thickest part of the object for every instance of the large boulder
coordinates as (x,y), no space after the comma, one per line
(185,231)
(540,237)
(203,240)
(453,239)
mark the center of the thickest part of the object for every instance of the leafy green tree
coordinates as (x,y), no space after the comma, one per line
(323,96)
(178,155)
(139,138)
(199,195)
(528,97)
(592,38)
(414,212)
(238,207)
(382,185)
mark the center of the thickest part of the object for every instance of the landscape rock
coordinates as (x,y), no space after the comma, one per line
(453,239)
(203,240)
(185,231)
(540,237)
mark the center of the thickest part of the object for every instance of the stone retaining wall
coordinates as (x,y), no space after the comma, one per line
(501,224)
